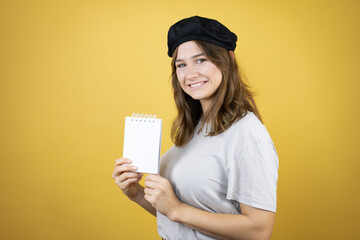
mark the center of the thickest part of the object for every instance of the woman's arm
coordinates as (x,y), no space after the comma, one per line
(253,223)
(140,200)
(128,182)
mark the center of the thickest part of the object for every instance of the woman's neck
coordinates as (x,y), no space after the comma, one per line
(205,105)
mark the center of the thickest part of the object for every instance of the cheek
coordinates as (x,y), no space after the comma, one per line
(180,78)
(220,77)
(217,76)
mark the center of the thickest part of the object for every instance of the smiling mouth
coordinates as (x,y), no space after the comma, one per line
(196,85)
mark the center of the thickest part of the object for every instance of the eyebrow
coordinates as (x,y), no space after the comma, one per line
(195,56)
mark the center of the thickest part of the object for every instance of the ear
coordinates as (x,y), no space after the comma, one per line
(232,55)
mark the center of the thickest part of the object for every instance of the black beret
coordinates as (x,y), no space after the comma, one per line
(200,28)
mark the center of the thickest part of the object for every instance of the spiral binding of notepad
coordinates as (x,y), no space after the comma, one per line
(143,117)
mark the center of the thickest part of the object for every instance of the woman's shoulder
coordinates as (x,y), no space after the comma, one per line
(248,122)
(249,127)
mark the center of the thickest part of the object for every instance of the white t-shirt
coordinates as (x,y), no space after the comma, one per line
(216,173)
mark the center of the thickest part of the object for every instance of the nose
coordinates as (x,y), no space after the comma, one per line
(191,72)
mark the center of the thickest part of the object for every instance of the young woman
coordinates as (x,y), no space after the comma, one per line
(219,180)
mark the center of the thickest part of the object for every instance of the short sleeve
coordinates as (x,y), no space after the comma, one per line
(253,175)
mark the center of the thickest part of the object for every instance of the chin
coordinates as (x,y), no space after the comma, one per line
(196,97)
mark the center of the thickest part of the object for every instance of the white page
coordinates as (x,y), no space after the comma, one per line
(142,143)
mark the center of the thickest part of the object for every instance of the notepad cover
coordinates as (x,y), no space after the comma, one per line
(142,143)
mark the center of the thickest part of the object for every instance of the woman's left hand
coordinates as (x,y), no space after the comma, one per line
(159,192)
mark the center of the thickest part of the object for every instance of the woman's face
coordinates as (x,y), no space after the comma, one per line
(197,75)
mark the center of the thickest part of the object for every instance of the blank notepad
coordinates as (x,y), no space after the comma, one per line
(142,142)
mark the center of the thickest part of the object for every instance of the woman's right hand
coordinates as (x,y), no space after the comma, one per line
(126,179)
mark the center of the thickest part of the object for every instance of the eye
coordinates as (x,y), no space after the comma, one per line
(181,65)
(201,60)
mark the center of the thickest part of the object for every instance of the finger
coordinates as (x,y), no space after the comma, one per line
(148,191)
(126,175)
(154,177)
(124,168)
(125,184)
(121,161)
(148,198)
(150,184)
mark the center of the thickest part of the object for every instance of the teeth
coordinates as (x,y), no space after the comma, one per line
(196,85)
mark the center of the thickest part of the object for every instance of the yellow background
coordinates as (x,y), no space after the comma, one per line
(70,71)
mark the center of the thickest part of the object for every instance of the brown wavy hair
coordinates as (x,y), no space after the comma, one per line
(231,101)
